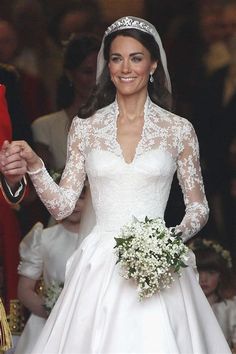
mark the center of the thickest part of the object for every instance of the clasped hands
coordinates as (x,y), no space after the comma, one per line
(16,158)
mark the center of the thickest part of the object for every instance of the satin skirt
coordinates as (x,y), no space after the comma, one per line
(30,335)
(99,311)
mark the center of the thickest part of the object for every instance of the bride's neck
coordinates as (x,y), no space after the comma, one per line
(131,107)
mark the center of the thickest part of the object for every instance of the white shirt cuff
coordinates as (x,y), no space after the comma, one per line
(17,192)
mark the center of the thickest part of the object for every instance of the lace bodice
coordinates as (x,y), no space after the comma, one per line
(120,189)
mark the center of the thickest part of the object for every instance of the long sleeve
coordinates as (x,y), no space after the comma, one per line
(191,182)
(60,199)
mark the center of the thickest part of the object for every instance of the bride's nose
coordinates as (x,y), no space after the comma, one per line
(126,66)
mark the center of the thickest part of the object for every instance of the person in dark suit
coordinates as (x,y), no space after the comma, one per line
(12,189)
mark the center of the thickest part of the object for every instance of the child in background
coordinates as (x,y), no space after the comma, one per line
(214,266)
(44,254)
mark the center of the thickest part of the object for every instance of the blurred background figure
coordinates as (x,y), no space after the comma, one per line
(74,86)
(214,266)
(229,20)
(215,53)
(215,111)
(32,90)
(75,17)
(50,132)
(44,254)
(37,54)
(8,42)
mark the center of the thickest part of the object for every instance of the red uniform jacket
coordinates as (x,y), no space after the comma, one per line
(10,235)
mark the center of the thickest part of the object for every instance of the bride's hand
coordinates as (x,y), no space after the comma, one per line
(17,157)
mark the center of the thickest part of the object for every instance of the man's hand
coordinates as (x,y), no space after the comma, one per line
(12,165)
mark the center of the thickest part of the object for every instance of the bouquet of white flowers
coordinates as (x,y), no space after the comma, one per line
(150,254)
(51,294)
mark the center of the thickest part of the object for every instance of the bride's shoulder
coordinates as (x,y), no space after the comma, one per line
(96,119)
(171,119)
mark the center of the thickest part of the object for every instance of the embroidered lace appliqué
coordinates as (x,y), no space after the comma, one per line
(166,135)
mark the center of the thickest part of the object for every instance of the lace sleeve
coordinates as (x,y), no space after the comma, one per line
(190,179)
(60,199)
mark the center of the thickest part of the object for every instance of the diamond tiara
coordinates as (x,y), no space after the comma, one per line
(130,22)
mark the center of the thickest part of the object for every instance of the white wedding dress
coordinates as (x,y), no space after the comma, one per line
(98,310)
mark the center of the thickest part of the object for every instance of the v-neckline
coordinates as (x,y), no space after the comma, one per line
(121,153)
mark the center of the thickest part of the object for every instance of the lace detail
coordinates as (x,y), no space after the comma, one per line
(119,189)
(60,199)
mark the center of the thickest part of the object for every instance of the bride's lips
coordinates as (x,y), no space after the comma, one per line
(126,79)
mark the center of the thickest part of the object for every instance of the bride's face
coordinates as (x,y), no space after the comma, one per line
(130,65)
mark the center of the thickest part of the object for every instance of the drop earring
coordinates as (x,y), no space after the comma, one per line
(151,79)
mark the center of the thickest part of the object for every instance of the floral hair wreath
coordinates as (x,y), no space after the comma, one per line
(215,246)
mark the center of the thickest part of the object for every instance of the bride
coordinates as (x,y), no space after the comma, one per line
(130,146)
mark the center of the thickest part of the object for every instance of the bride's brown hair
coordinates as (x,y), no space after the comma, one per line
(104,93)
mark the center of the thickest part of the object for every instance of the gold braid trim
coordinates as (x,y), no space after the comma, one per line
(16,318)
(5,333)
(14,205)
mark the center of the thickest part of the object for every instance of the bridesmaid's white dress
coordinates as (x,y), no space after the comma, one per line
(98,310)
(225,312)
(43,253)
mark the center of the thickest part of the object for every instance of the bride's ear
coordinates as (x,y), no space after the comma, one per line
(154,66)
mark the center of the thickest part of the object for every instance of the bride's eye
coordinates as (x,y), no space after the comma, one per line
(115,58)
(137,58)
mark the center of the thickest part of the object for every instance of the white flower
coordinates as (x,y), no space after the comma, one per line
(51,295)
(150,253)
